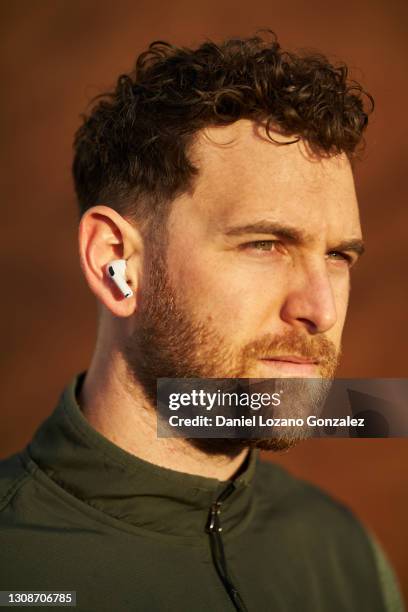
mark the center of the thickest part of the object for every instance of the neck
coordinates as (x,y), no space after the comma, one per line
(116,407)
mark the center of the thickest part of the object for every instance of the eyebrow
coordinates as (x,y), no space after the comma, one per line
(291,234)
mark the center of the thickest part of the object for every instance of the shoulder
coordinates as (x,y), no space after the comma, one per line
(13,475)
(390,585)
(314,516)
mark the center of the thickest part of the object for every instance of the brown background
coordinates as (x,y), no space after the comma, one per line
(56,55)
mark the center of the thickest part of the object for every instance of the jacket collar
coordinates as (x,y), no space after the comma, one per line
(97,471)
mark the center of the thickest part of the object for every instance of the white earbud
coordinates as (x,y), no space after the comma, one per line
(116,270)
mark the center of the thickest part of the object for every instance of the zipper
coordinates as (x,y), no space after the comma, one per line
(214,530)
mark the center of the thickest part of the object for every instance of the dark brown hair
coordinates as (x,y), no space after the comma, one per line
(131,152)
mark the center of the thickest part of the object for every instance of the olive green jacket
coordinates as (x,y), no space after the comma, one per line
(78,513)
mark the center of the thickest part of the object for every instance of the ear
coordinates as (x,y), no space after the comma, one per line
(104,235)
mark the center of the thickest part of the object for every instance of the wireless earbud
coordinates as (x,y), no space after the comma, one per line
(116,270)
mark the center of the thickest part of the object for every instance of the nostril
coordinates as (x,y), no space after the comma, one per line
(311,326)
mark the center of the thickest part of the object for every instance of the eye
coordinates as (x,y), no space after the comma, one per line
(261,245)
(339,256)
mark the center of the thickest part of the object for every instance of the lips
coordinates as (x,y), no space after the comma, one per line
(290,366)
(290,359)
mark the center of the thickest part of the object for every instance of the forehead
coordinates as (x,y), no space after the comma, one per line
(243,177)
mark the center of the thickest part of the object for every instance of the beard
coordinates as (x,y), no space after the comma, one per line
(170,340)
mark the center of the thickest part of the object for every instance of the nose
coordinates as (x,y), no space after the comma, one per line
(310,302)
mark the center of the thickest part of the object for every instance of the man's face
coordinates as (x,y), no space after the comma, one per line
(254,281)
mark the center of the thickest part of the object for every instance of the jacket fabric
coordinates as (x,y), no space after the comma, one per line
(78,513)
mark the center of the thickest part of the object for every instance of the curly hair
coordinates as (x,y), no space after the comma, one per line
(131,151)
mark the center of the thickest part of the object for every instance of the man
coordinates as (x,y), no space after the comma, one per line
(222,177)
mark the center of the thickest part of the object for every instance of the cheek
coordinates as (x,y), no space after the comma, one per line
(236,300)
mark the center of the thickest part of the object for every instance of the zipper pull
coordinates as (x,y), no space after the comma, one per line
(214,528)
(213,524)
